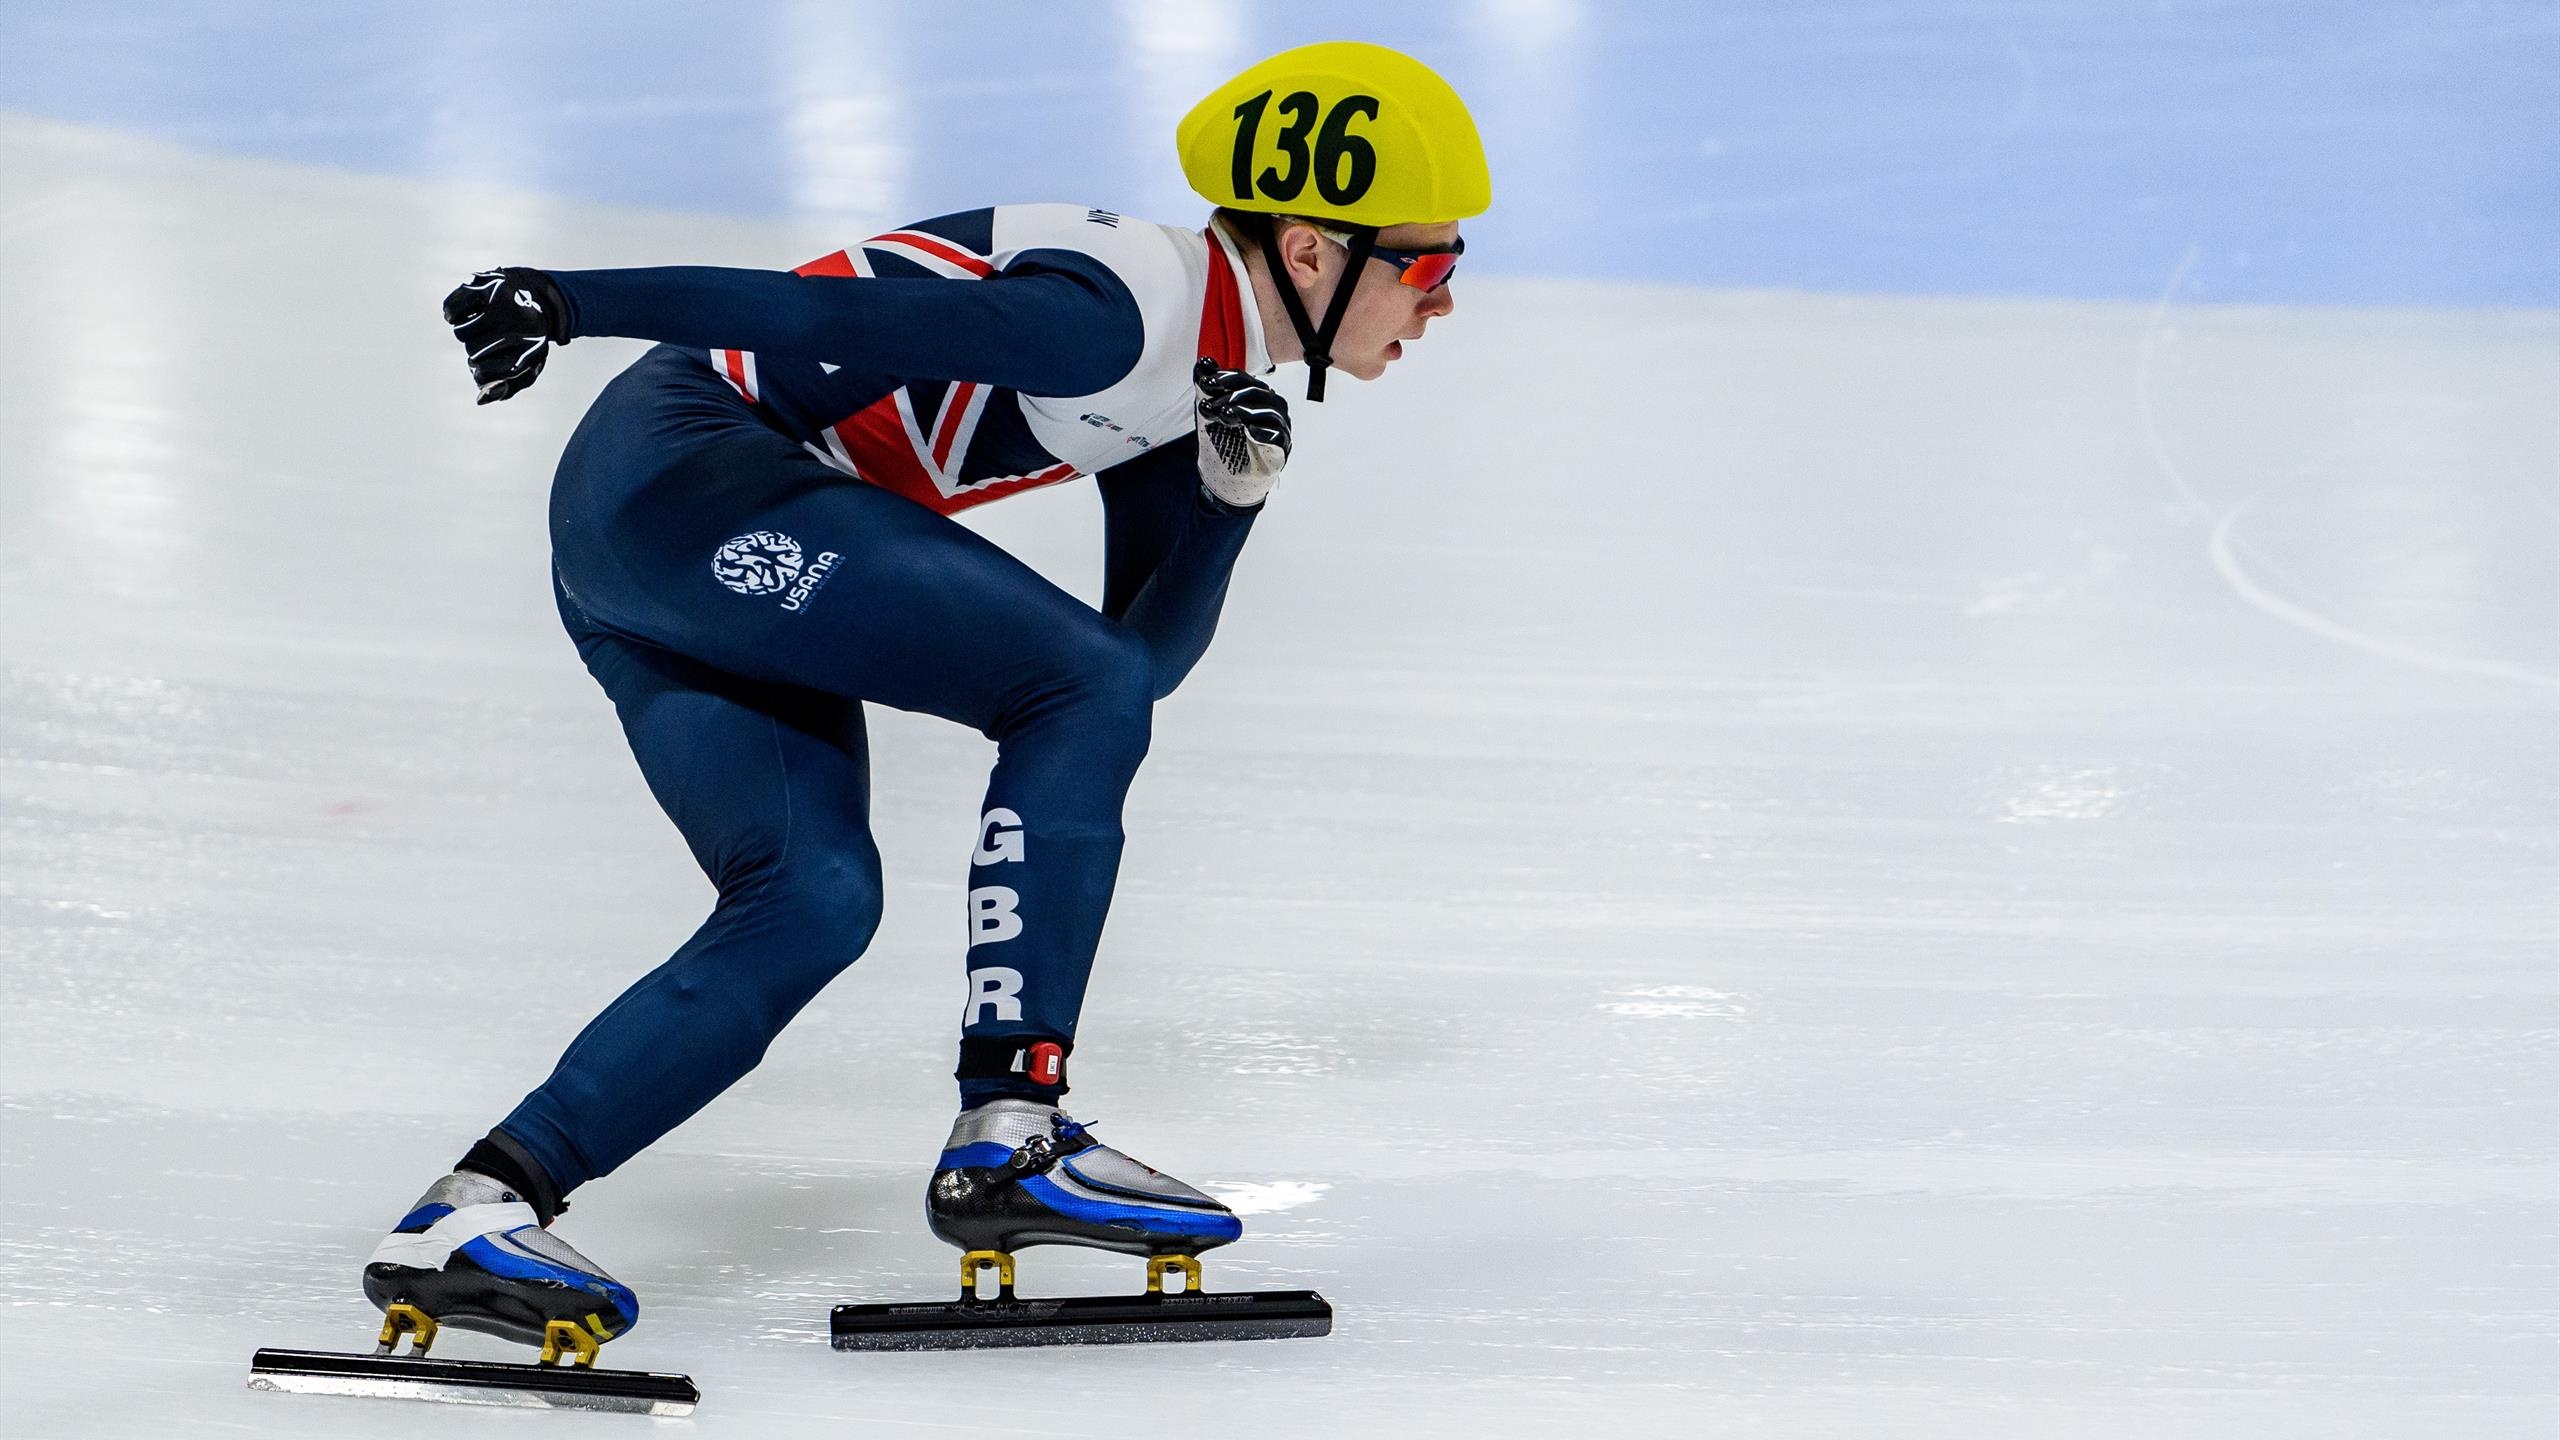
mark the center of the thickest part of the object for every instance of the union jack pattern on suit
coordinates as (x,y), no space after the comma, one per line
(950,443)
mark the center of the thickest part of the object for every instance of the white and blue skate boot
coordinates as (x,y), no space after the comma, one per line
(473,1253)
(1017,1173)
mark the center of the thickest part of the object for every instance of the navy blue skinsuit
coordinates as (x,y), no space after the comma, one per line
(739,597)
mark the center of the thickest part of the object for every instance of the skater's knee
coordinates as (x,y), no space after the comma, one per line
(836,897)
(1102,687)
(1111,665)
(792,926)
(829,898)
(792,866)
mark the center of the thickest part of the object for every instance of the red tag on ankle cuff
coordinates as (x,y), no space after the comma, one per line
(1047,1064)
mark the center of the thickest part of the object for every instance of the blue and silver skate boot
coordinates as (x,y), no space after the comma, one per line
(1018,1172)
(473,1253)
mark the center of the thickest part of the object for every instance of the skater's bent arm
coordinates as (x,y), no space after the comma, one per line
(1168,548)
(1053,323)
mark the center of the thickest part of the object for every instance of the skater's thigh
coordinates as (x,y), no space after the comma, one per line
(752,556)
(755,774)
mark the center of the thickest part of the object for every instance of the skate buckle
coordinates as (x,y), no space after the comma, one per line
(398,1320)
(1189,1265)
(977,1260)
(1035,1156)
(568,1342)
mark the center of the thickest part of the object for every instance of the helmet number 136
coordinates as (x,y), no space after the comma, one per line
(1337,150)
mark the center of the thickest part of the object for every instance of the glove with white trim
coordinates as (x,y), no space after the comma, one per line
(1244,435)
(507,321)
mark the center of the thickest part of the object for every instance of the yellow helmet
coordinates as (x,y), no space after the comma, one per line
(1357,135)
(1343,131)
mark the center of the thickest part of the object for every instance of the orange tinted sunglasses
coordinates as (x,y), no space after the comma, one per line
(1422,269)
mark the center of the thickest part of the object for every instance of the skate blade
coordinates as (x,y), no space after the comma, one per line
(473,1382)
(1083,1320)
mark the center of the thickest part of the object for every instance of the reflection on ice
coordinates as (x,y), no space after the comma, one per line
(1684,1002)
(2051,794)
(1267,1197)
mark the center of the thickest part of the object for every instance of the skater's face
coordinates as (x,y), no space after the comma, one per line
(1385,315)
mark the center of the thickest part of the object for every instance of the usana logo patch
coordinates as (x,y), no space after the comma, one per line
(760,563)
(768,562)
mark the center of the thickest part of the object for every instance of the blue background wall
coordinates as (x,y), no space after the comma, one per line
(2353,151)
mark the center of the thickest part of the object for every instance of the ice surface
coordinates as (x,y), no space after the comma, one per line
(1743,865)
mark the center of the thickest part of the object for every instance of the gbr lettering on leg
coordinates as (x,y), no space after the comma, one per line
(995,917)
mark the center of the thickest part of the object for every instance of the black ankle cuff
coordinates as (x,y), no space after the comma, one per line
(1012,1067)
(502,1158)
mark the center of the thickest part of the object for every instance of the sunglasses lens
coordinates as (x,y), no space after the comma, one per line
(1429,272)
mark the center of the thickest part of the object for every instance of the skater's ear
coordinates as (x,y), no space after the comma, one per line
(1303,250)
(1300,241)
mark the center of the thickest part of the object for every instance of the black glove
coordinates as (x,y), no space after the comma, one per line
(507,321)
(1244,434)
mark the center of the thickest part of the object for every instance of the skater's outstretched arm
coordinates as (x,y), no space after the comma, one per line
(1168,548)
(1053,322)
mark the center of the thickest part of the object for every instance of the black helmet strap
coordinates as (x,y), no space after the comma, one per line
(1316,341)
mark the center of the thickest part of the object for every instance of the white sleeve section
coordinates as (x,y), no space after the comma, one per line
(1166,270)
